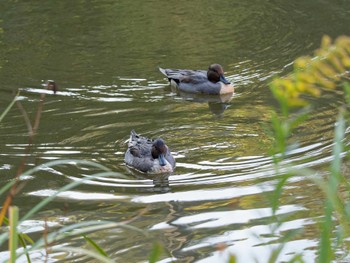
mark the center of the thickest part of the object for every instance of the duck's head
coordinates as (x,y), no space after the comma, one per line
(216,73)
(51,85)
(159,150)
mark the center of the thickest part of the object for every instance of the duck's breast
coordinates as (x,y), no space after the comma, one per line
(157,168)
(226,88)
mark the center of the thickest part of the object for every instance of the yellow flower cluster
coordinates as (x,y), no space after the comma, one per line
(312,74)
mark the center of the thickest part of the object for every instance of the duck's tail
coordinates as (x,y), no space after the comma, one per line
(133,135)
(163,71)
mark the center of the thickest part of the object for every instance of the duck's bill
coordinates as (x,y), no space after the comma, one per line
(224,80)
(162,160)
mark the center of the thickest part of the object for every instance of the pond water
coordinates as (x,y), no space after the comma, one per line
(104,56)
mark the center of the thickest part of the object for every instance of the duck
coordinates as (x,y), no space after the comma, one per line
(149,155)
(211,82)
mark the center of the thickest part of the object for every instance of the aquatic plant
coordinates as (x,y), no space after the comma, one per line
(328,69)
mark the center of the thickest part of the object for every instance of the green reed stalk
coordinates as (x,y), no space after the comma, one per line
(13,237)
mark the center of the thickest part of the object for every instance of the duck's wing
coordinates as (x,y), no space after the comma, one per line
(139,146)
(138,154)
(201,87)
(185,75)
(142,164)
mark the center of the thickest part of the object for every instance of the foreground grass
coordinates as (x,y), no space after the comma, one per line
(328,69)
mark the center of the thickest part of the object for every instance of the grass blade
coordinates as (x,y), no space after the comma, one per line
(83,251)
(325,244)
(6,187)
(97,247)
(8,107)
(13,239)
(21,238)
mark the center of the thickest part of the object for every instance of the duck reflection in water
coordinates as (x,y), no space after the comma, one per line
(202,86)
(217,104)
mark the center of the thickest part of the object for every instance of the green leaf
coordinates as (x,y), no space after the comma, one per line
(97,247)
(21,238)
(277,193)
(346,86)
(325,245)
(155,252)
(338,145)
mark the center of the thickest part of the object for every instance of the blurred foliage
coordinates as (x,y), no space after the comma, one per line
(312,74)
(328,69)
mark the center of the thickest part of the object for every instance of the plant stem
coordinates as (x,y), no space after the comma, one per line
(13,239)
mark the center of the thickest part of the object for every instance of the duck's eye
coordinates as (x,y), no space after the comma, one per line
(162,149)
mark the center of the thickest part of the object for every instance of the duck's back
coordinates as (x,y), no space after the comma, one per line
(139,154)
(185,75)
(140,146)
